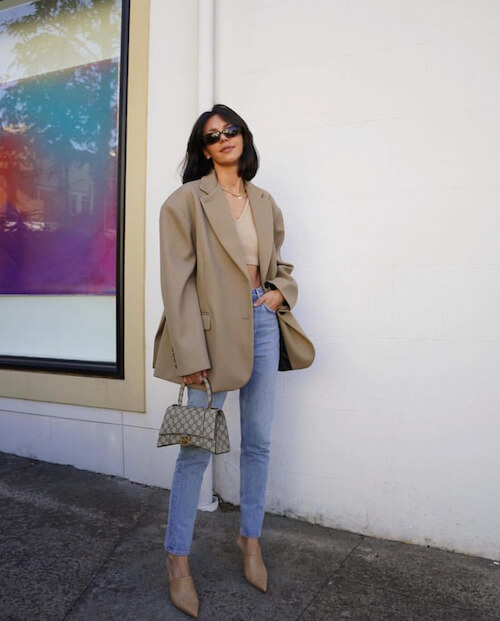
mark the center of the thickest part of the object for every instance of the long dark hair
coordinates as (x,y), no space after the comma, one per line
(196,165)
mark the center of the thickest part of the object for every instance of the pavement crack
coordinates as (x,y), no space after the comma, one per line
(94,575)
(348,556)
(88,586)
(330,576)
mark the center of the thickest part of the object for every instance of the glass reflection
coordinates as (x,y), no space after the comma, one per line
(58,147)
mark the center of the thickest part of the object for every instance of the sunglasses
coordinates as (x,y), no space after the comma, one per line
(229,132)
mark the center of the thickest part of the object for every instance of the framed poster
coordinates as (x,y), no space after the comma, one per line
(63,85)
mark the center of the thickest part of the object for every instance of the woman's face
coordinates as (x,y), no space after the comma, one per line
(227,151)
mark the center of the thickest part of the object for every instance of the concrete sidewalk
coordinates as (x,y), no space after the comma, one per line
(76,545)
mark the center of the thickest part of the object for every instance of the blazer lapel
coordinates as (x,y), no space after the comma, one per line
(218,213)
(263,217)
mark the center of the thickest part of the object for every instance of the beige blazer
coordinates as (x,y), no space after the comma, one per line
(207,321)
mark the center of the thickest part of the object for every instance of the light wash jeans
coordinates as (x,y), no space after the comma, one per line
(256,414)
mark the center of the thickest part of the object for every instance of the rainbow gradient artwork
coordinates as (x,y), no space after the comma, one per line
(59,182)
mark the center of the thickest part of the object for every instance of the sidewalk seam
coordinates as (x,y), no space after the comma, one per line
(330,576)
(92,578)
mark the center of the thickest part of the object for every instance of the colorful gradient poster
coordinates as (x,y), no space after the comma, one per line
(58,181)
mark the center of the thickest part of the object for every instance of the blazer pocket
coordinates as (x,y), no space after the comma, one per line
(207,320)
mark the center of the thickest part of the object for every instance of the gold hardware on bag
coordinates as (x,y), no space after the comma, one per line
(185,440)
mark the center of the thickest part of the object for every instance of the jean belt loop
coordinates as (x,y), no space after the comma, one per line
(257,292)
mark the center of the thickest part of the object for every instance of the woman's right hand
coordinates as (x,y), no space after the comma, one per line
(195,378)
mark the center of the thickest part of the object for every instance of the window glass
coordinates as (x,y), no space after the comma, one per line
(60,183)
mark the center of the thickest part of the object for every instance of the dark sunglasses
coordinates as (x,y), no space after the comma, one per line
(229,132)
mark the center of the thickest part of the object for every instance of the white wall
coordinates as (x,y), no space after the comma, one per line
(377,122)
(377,125)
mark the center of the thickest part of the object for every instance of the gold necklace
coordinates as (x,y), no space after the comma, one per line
(239,195)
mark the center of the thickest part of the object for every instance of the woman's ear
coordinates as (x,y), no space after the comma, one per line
(207,154)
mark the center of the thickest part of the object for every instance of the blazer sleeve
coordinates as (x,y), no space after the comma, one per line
(180,296)
(283,280)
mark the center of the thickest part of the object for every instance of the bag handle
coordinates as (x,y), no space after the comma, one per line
(207,386)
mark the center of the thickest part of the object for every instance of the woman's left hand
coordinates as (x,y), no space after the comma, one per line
(272,299)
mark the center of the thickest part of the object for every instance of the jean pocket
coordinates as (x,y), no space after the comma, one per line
(269,310)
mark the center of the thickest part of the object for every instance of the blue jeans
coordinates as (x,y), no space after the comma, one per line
(256,414)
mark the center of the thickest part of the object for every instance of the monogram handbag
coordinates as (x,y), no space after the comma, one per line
(189,425)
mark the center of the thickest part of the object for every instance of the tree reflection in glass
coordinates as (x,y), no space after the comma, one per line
(58,147)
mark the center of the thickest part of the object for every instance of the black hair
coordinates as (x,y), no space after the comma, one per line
(196,165)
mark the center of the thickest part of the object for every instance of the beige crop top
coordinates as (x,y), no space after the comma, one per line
(245,227)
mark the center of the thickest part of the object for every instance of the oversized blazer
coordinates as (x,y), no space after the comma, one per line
(207,321)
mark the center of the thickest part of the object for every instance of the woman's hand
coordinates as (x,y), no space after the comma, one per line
(195,378)
(272,299)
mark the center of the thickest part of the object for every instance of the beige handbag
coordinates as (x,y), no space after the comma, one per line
(188,425)
(296,350)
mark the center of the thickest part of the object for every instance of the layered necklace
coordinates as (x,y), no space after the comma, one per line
(235,194)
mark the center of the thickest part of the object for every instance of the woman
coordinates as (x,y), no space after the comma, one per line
(223,283)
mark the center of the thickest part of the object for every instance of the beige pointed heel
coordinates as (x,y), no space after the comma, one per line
(183,594)
(254,568)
